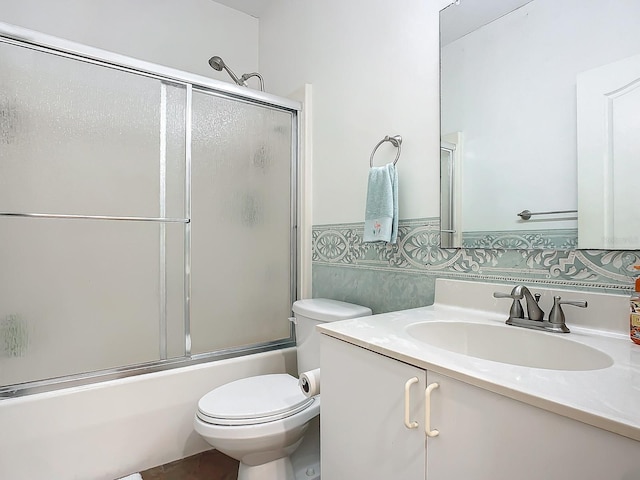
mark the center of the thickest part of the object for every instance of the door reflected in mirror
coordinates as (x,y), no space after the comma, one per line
(539,115)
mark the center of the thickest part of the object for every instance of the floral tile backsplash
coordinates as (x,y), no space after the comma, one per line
(560,239)
(390,277)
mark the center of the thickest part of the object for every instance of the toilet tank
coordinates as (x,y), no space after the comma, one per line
(311,312)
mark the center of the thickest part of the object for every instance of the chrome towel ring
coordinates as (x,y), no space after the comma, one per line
(396,141)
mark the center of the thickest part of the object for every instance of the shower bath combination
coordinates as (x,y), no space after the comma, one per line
(218,64)
(176,126)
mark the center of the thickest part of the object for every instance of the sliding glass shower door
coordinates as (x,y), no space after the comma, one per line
(144,221)
(241,212)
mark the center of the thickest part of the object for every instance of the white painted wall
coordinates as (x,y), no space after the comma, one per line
(112,429)
(521,71)
(180,34)
(374,69)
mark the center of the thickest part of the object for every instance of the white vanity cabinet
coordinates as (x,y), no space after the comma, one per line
(362,430)
(481,435)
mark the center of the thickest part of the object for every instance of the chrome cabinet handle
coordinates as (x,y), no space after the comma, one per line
(407,403)
(427,411)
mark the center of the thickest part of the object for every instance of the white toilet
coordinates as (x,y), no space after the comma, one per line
(262,420)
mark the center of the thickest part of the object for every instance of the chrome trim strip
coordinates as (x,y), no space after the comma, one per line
(295,168)
(187,227)
(38,40)
(95,217)
(247,101)
(59,383)
(162,287)
(43,48)
(295,163)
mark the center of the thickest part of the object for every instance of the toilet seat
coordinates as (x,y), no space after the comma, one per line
(253,400)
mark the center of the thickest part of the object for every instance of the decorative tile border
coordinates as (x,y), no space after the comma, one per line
(560,239)
(418,251)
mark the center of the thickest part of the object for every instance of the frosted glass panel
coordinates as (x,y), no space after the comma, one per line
(92,295)
(241,223)
(79,296)
(78,138)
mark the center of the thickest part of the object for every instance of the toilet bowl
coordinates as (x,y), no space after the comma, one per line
(258,421)
(262,420)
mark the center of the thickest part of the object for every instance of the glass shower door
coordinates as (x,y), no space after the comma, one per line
(92,188)
(241,245)
(147,217)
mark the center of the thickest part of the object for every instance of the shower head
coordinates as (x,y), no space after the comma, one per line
(218,64)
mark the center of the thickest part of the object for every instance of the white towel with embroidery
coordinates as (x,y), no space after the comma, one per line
(381,215)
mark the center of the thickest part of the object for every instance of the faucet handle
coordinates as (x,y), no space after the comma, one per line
(505,295)
(516,310)
(557,315)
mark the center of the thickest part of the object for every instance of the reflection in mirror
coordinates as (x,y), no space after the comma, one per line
(539,102)
(608,150)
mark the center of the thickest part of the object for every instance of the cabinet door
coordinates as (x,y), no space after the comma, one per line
(363,433)
(486,436)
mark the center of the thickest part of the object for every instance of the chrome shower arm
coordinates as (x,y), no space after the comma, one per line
(247,76)
(239,81)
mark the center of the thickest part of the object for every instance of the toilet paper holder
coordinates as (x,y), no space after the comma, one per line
(309,383)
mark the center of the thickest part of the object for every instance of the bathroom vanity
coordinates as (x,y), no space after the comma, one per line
(396,406)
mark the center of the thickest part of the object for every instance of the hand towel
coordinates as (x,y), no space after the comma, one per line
(381,215)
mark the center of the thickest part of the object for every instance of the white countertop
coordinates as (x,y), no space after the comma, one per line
(608,398)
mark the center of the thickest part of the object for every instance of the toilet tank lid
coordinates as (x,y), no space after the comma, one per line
(327,310)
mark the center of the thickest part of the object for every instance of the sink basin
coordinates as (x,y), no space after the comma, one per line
(512,345)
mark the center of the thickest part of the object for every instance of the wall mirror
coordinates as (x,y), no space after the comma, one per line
(539,113)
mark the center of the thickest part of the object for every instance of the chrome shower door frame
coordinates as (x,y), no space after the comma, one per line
(13,35)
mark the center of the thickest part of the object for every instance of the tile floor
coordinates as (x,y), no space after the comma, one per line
(209,465)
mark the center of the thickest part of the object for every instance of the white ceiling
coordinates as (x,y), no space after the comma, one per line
(458,20)
(255,8)
(455,21)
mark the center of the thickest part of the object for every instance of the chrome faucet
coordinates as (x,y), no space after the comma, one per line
(535,315)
